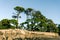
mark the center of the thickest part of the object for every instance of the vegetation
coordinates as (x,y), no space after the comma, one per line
(35,21)
(18,11)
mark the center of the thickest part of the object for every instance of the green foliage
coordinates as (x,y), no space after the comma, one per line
(51,27)
(18,11)
(28,12)
(38,22)
(35,21)
(5,23)
(13,22)
(29,9)
(59,29)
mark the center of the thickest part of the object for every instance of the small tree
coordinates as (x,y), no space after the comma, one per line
(18,11)
(59,29)
(13,22)
(5,23)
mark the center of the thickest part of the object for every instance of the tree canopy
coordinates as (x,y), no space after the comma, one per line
(35,21)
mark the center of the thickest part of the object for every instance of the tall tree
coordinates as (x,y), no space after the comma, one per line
(38,22)
(18,11)
(28,12)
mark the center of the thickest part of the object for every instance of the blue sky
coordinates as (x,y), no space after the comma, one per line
(49,8)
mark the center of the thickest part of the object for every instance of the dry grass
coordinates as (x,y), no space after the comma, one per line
(17,33)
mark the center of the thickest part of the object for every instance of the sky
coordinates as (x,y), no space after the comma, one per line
(49,8)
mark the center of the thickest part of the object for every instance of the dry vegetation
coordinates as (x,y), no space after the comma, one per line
(12,34)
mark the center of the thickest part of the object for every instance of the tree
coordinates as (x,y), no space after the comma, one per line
(18,11)
(38,22)
(28,12)
(5,23)
(51,27)
(35,20)
(59,29)
(13,22)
